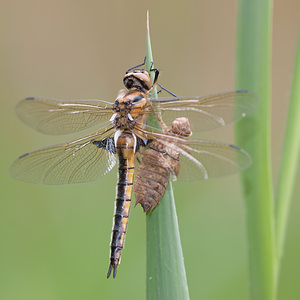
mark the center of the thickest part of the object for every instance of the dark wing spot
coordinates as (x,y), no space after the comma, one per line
(29,98)
(108,144)
(23,155)
(235,147)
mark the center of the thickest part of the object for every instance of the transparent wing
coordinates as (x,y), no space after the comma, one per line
(202,159)
(52,116)
(78,161)
(206,112)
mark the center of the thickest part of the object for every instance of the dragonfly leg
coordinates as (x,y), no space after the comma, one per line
(160,120)
(137,66)
(166,90)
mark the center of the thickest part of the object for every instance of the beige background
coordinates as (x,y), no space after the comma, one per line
(55,240)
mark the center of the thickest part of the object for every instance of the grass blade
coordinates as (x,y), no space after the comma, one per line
(166,277)
(253,73)
(290,159)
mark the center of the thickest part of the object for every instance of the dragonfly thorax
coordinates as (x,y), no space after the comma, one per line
(122,122)
(128,108)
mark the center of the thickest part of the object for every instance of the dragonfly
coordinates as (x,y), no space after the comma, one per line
(122,132)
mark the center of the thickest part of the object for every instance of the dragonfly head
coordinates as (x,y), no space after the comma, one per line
(138,80)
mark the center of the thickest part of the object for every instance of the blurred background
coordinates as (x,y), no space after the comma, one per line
(55,239)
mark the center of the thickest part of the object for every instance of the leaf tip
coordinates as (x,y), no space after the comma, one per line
(148,31)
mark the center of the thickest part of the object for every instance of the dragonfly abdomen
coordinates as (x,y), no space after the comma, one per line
(125,145)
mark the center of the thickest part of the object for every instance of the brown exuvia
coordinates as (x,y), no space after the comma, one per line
(158,163)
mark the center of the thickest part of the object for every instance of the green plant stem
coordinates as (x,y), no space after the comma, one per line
(290,159)
(166,277)
(253,73)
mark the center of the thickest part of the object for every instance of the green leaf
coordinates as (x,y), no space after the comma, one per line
(290,159)
(253,72)
(166,277)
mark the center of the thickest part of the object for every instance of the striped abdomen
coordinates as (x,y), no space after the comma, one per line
(125,146)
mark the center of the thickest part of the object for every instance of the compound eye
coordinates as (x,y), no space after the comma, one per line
(128,83)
